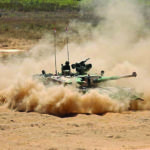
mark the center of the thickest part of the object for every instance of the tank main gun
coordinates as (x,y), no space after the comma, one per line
(93,80)
(103,79)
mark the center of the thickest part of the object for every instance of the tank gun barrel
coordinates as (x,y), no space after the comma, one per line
(103,79)
(134,74)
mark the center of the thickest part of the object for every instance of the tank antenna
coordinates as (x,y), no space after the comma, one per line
(55,50)
(67,42)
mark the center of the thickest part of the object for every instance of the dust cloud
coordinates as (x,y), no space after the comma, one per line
(58,100)
(119,44)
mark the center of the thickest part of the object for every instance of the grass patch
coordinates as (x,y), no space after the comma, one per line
(49,5)
(40,5)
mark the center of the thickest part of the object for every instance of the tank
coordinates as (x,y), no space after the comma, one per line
(77,74)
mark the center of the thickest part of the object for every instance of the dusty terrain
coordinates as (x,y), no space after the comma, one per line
(117,48)
(23,29)
(113,131)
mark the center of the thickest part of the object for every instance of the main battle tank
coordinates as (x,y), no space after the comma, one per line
(85,82)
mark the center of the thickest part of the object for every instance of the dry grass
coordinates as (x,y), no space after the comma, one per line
(19,28)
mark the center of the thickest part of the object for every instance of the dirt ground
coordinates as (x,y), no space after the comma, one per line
(23,29)
(34,131)
(112,131)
